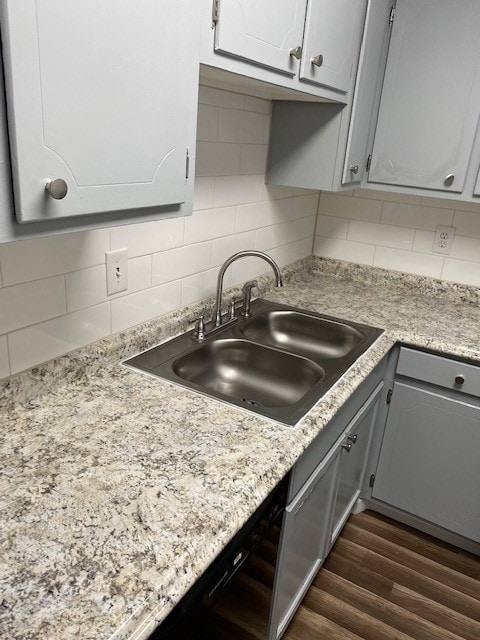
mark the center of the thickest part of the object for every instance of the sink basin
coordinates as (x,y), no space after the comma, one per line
(249,372)
(303,334)
(277,363)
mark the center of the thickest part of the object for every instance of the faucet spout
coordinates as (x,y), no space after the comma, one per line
(241,254)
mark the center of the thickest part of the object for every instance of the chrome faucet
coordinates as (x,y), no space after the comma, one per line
(242,254)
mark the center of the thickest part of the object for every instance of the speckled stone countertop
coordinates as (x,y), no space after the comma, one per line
(118,490)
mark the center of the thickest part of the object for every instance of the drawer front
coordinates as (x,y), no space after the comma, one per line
(440,371)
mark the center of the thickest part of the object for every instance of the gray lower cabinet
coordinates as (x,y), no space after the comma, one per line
(321,501)
(428,465)
(353,456)
(303,543)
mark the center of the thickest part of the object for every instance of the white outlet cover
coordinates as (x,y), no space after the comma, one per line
(443,240)
(116,264)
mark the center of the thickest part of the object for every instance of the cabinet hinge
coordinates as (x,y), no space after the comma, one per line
(371,482)
(187,165)
(392,14)
(389,396)
(215,12)
(369,162)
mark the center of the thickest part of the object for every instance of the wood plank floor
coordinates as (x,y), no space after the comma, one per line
(381,581)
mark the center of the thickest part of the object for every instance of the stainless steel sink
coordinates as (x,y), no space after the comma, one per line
(277,363)
(249,372)
(303,334)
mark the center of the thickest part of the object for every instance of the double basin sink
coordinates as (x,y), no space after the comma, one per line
(278,362)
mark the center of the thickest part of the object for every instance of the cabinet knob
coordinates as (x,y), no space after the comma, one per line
(354,168)
(57,188)
(449,178)
(353,438)
(296,52)
(317,60)
(347,446)
(459,379)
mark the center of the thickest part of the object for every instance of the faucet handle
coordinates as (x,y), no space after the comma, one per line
(247,296)
(199,331)
(233,307)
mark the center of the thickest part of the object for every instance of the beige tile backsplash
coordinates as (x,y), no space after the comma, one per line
(396,231)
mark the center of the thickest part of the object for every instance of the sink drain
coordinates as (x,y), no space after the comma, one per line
(252,403)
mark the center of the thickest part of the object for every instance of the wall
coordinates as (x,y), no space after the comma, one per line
(52,289)
(395,231)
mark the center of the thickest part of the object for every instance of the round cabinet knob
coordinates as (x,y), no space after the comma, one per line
(354,168)
(353,438)
(449,179)
(57,188)
(296,53)
(459,379)
(347,446)
(317,60)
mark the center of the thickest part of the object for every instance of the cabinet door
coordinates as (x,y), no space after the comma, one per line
(428,463)
(101,95)
(368,87)
(352,462)
(303,544)
(431,96)
(333,31)
(262,32)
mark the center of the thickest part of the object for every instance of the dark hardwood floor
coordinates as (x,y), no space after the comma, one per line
(381,581)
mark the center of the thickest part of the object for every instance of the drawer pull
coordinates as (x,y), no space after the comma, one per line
(459,379)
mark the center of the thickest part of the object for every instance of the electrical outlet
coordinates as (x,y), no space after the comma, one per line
(116,263)
(443,239)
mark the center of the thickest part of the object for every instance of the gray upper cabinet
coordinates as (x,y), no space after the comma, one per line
(268,33)
(101,101)
(333,31)
(322,146)
(293,47)
(430,102)
(368,87)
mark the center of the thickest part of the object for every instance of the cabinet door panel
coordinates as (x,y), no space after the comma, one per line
(262,32)
(429,460)
(368,86)
(431,96)
(333,31)
(303,544)
(100,94)
(352,463)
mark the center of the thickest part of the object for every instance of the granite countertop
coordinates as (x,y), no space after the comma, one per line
(117,490)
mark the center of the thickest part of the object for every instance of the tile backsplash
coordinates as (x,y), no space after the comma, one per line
(396,231)
(53,289)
